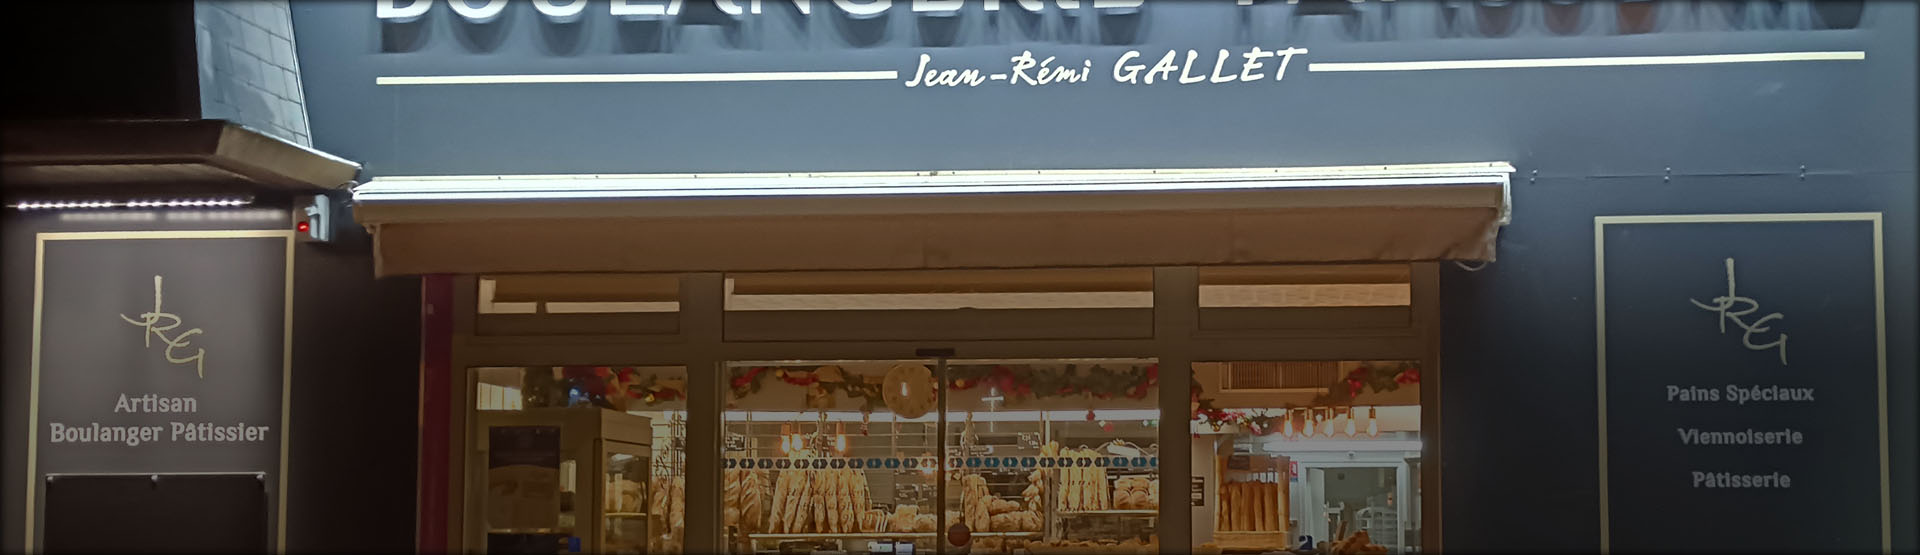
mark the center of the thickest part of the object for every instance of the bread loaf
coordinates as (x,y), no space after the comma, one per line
(1273,503)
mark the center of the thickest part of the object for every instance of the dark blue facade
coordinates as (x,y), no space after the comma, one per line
(1520,459)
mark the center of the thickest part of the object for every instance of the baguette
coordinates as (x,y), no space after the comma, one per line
(822,492)
(777,516)
(1227,503)
(1273,506)
(1265,500)
(1241,507)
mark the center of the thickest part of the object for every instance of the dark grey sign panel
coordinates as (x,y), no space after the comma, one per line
(225,513)
(1742,381)
(161,353)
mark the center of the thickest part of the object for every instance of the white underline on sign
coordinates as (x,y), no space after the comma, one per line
(640,78)
(1518,63)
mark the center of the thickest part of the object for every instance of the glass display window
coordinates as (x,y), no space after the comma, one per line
(1307,455)
(831,456)
(849,456)
(579,458)
(1053,456)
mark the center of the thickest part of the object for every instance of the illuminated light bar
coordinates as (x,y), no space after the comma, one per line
(653,186)
(1322,445)
(405,190)
(213,202)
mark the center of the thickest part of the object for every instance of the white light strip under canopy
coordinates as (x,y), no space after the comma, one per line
(646,186)
(96,204)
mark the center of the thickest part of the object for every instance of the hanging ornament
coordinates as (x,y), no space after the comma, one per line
(908,390)
(1106,426)
(1089,415)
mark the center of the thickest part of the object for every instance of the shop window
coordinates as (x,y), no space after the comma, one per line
(942,304)
(582,458)
(1325,455)
(847,456)
(1097,421)
(578,304)
(1301,297)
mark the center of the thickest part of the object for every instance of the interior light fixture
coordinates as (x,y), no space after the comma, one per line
(1286,423)
(100,204)
(1323,445)
(1350,428)
(1326,423)
(1373,421)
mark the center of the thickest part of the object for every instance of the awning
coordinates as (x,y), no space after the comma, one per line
(933,220)
(146,155)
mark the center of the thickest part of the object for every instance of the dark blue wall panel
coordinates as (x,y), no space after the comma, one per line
(1520,414)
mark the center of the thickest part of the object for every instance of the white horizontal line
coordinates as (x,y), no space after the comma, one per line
(507,191)
(1739,218)
(1590,62)
(640,78)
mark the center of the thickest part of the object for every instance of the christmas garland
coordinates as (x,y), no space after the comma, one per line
(822,383)
(1097,382)
(1367,377)
(604,386)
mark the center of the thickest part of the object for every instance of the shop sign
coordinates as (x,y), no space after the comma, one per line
(1742,378)
(160,353)
(1264,63)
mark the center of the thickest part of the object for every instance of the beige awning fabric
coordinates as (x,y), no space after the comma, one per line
(923,221)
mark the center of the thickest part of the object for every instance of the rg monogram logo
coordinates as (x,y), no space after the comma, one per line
(159,323)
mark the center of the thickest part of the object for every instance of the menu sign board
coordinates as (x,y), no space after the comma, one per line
(523,477)
(1742,374)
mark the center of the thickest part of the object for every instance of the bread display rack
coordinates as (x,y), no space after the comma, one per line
(1253,512)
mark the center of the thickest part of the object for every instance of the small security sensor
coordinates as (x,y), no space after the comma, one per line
(313,219)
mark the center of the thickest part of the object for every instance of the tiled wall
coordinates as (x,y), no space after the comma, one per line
(249,73)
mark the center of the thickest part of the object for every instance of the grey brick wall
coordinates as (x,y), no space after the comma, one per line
(249,73)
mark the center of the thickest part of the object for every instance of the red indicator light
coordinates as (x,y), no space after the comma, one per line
(302,227)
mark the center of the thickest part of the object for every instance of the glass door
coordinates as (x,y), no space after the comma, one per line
(1052,455)
(832,456)
(629,514)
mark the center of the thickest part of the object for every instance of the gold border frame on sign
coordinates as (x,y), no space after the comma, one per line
(1880,339)
(286,360)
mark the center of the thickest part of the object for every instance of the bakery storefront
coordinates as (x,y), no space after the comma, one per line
(1097,276)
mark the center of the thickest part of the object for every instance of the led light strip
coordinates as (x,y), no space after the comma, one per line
(225,202)
(605,187)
